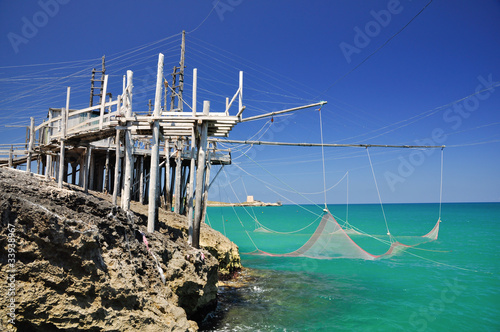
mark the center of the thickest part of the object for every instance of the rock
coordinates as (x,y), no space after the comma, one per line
(81,264)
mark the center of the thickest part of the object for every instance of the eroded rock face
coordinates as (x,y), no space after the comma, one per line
(82,264)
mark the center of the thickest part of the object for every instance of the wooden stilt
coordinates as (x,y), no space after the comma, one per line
(64,122)
(31,144)
(11,156)
(155,152)
(106,169)
(73,173)
(116,185)
(62,150)
(192,169)
(168,198)
(141,179)
(91,170)
(86,168)
(205,189)
(178,182)
(200,177)
(128,143)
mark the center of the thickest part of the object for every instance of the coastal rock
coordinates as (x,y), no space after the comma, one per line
(221,247)
(82,264)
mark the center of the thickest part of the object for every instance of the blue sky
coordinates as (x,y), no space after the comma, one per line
(390,76)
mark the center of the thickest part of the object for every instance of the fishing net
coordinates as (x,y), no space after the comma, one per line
(330,240)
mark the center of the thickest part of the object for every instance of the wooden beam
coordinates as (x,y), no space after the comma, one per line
(116,185)
(283,111)
(103,100)
(327,144)
(31,144)
(202,154)
(129,145)
(86,168)
(154,174)
(178,171)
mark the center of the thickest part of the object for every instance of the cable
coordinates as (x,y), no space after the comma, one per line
(378,192)
(199,25)
(378,49)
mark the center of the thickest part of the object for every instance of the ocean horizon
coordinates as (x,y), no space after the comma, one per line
(448,284)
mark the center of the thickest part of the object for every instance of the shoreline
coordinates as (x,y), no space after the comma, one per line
(245,204)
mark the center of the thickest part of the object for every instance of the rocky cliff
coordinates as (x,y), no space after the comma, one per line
(79,263)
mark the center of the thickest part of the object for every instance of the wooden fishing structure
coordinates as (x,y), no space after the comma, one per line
(160,157)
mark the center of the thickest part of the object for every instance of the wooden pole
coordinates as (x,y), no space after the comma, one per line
(178,182)
(200,177)
(64,120)
(118,168)
(240,95)
(107,168)
(11,156)
(86,168)
(154,174)
(192,169)
(195,88)
(141,179)
(280,112)
(181,71)
(30,145)
(62,150)
(168,200)
(48,162)
(91,169)
(128,147)
(103,100)
(330,145)
(206,187)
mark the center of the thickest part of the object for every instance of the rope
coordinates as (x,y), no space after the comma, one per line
(441,185)
(347,200)
(210,13)
(322,154)
(378,192)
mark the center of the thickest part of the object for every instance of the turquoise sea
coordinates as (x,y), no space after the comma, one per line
(451,284)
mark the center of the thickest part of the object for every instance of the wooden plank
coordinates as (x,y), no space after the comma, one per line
(154,174)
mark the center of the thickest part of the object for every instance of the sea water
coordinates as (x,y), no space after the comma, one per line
(451,284)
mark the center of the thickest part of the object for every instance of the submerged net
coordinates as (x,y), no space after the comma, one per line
(330,241)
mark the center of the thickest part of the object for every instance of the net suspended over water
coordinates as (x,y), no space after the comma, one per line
(330,241)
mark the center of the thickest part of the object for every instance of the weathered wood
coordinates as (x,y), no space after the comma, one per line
(31,144)
(62,150)
(283,111)
(87,165)
(154,174)
(92,170)
(107,168)
(128,142)
(116,184)
(11,153)
(141,179)
(202,149)
(206,186)
(178,182)
(168,196)
(103,100)
(334,145)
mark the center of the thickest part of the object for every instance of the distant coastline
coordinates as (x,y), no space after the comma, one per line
(254,203)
